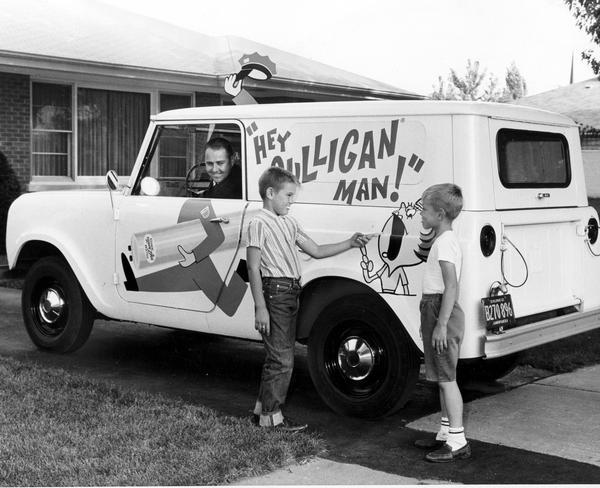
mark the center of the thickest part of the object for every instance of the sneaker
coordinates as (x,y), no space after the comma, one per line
(429,443)
(445,454)
(289,425)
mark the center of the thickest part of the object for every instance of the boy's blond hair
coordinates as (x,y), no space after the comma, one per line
(274,177)
(445,196)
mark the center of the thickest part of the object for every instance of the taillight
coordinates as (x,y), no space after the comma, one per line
(592,230)
(487,240)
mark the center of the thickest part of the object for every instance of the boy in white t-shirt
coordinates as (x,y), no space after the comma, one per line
(443,321)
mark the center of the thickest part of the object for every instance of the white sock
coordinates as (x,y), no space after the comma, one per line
(456,438)
(442,434)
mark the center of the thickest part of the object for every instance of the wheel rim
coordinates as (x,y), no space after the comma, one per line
(49,308)
(356,360)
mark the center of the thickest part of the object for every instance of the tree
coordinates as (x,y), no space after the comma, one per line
(477,85)
(516,87)
(10,189)
(587,15)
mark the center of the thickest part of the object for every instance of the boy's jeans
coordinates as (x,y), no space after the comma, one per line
(281,297)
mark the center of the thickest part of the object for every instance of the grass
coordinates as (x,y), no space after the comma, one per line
(59,429)
(565,355)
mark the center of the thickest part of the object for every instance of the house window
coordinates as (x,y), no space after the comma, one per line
(174,151)
(110,128)
(52,129)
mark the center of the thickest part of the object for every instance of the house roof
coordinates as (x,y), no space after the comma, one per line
(89,31)
(580,101)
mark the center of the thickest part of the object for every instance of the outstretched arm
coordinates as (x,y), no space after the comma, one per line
(319,251)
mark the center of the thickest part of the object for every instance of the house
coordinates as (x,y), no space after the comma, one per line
(80,79)
(581,102)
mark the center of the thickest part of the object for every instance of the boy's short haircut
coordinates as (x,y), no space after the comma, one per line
(445,196)
(274,177)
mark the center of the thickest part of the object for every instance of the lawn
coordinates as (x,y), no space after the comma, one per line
(59,429)
(566,354)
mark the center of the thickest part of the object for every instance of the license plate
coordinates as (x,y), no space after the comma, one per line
(498,312)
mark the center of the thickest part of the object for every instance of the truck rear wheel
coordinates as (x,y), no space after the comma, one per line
(361,360)
(58,315)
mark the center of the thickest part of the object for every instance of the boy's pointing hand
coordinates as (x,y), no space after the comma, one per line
(359,239)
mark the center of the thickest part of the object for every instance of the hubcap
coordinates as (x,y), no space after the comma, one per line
(356,358)
(51,305)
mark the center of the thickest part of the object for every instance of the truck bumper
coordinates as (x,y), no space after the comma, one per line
(531,335)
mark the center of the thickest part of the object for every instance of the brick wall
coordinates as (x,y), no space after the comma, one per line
(15,133)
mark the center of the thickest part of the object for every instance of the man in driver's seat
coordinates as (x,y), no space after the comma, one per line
(225,175)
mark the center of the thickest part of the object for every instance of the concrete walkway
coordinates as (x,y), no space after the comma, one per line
(558,415)
(325,472)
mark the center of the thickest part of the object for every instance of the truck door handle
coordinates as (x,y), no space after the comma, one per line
(543,195)
(220,220)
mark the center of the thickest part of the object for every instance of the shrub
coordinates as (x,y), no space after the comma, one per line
(10,189)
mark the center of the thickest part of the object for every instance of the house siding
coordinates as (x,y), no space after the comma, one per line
(15,133)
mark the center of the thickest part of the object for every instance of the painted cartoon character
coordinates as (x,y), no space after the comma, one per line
(254,66)
(194,268)
(397,251)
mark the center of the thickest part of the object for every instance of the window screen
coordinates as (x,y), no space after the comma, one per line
(530,159)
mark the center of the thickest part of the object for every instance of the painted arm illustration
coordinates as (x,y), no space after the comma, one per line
(367,266)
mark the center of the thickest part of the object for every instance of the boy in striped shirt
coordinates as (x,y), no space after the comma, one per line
(274,272)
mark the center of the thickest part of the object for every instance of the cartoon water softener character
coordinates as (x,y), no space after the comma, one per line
(177,259)
(254,66)
(396,251)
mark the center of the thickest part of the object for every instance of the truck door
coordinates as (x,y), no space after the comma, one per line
(536,190)
(176,249)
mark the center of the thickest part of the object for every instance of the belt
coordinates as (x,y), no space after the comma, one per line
(272,279)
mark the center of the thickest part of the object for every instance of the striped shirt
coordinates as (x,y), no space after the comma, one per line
(277,237)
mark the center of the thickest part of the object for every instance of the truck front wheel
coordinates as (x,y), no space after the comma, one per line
(361,360)
(58,316)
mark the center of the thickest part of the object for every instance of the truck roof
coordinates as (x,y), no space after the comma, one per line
(366,108)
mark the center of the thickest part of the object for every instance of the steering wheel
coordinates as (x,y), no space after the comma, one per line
(194,185)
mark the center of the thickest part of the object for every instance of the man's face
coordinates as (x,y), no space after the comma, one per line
(218,164)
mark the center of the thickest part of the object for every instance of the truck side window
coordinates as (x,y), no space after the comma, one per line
(531,159)
(176,159)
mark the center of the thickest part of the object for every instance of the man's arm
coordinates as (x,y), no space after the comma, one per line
(319,251)
(261,314)
(439,338)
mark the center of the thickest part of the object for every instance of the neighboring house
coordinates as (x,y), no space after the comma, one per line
(581,102)
(79,81)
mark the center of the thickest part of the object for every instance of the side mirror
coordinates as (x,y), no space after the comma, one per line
(150,186)
(112,180)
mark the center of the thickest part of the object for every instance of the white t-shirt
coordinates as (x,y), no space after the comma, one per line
(445,248)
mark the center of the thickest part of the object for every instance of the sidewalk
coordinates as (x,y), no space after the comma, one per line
(558,415)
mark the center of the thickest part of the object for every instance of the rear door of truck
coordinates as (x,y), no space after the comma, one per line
(537,189)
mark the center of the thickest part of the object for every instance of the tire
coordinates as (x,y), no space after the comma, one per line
(486,369)
(57,314)
(378,384)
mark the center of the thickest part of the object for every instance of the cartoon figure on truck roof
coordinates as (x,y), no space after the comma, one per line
(398,248)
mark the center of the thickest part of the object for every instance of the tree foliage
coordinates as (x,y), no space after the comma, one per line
(477,85)
(587,16)
(10,189)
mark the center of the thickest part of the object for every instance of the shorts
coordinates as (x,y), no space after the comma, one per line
(441,367)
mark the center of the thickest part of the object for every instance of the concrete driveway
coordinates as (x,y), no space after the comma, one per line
(223,374)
